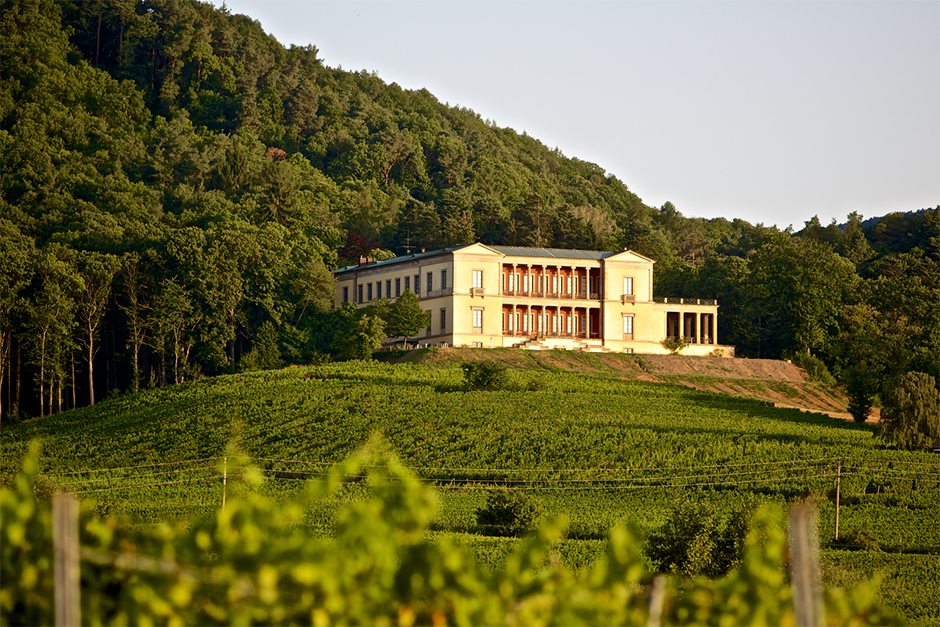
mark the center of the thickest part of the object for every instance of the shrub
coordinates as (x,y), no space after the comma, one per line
(699,541)
(485,375)
(508,513)
(856,540)
(673,344)
(814,367)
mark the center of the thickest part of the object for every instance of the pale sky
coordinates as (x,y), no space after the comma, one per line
(768,111)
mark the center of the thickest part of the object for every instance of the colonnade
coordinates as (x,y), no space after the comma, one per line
(551,320)
(695,327)
(551,281)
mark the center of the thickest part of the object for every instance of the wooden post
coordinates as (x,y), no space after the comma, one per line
(66,551)
(838,490)
(805,579)
(657,596)
(224,478)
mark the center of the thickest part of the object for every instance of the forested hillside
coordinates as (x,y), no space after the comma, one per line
(177,186)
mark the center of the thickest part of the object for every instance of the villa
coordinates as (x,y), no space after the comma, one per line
(507,296)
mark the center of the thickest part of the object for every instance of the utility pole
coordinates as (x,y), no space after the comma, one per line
(838,490)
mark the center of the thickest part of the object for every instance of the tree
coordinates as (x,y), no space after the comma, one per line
(911,414)
(16,272)
(171,324)
(799,287)
(356,333)
(50,321)
(406,317)
(97,271)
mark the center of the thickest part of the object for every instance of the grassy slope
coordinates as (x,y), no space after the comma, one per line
(576,427)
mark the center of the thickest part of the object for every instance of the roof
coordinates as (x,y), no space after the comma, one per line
(556,253)
(403,258)
(509,251)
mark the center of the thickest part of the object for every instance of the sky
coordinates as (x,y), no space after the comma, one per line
(768,111)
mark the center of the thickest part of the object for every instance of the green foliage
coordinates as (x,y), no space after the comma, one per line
(673,344)
(814,367)
(26,556)
(406,317)
(265,354)
(910,416)
(698,540)
(856,540)
(249,563)
(485,375)
(508,513)
(860,385)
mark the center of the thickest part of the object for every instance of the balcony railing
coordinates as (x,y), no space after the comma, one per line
(582,295)
(543,334)
(671,300)
(692,340)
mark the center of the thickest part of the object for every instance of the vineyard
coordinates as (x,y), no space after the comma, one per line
(598,452)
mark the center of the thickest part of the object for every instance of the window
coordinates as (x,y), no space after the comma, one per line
(378,289)
(443,279)
(429,321)
(430,283)
(569,324)
(360,295)
(477,278)
(628,327)
(345,294)
(478,321)
(477,344)
(628,286)
(418,284)
(398,287)
(443,319)
(388,288)
(369,290)
(407,283)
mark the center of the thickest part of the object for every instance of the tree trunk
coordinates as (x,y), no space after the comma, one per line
(19,377)
(91,368)
(74,392)
(42,375)
(98,40)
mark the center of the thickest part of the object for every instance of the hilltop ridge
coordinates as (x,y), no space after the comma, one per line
(772,380)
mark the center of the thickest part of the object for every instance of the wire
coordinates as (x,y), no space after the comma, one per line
(78,472)
(126,477)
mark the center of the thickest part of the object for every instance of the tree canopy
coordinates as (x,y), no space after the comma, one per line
(178,186)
